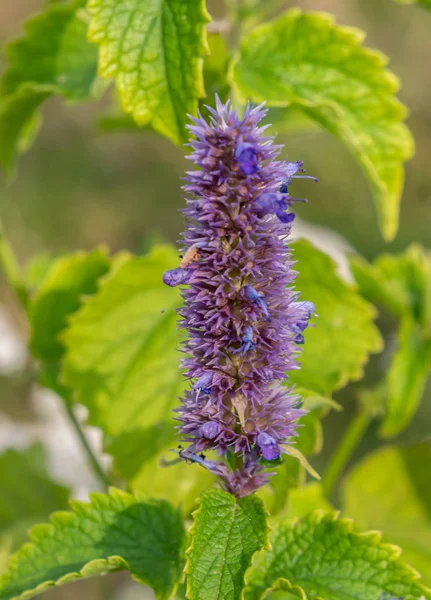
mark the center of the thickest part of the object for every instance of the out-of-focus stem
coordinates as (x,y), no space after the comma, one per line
(348,444)
(92,458)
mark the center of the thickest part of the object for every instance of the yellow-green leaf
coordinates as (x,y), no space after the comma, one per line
(153,50)
(306,60)
(390,490)
(343,333)
(69,279)
(406,378)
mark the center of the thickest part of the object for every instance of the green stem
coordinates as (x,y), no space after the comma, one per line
(345,449)
(15,278)
(92,459)
(12,269)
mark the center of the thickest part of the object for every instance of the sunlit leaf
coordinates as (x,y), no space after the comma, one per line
(68,280)
(343,333)
(154,51)
(122,362)
(306,60)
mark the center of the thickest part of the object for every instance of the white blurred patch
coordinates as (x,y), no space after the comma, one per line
(67,461)
(333,244)
(13,351)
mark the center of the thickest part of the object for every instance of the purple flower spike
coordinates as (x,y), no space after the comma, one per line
(176,277)
(241,313)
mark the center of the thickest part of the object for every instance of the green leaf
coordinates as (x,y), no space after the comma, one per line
(27,495)
(325,557)
(53,57)
(59,295)
(154,51)
(422,3)
(344,332)
(19,122)
(216,68)
(310,434)
(122,358)
(306,499)
(37,268)
(113,532)
(53,53)
(287,477)
(305,60)
(401,282)
(406,377)
(390,490)
(226,533)
(26,490)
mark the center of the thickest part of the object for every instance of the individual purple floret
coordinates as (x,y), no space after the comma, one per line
(243,318)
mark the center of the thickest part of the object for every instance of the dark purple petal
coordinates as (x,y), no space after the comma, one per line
(176,277)
(268,446)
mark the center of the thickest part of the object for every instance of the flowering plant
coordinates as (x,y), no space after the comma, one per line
(268,329)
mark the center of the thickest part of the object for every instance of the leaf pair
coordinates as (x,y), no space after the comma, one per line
(154,52)
(52,58)
(317,556)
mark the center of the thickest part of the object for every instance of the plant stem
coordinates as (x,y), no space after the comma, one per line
(345,449)
(12,269)
(92,458)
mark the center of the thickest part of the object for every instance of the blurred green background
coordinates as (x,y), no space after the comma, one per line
(79,186)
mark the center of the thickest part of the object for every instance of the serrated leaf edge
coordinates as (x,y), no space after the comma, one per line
(192,530)
(117,263)
(372,311)
(104,72)
(93,567)
(319,516)
(388,223)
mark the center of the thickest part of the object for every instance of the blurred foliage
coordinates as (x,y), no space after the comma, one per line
(391,490)
(27,496)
